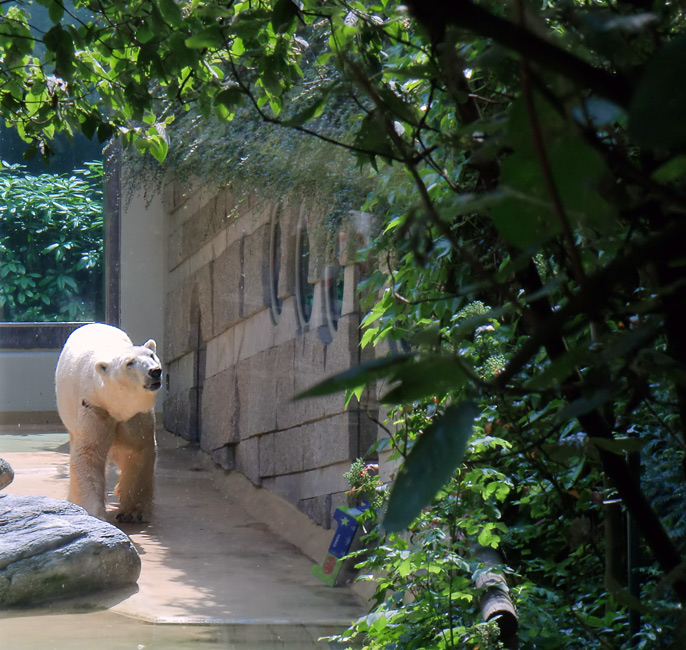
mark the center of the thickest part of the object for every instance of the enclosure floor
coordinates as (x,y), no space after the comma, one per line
(209,557)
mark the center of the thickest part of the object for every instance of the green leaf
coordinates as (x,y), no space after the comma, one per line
(360,375)
(171,12)
(283,15)
(59,41)
(672,170)
(400,108)
(619,446)
(211,37)
(431,463)
(656,112)
(372,137)
(584,405)
(56,11)
(433,376)
(525,215)
(315,109)
(230,97)
(158,147)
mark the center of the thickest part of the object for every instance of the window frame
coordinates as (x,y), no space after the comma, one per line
(53,335)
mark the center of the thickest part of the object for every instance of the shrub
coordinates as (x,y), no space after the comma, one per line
(51,244)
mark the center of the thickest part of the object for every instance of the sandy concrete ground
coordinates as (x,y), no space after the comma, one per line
(224,561)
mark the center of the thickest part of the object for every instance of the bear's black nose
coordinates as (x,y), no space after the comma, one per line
(155,373)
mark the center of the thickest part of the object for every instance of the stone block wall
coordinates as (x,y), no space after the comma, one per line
(234,356)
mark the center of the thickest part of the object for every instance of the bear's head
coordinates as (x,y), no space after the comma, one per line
(138,367)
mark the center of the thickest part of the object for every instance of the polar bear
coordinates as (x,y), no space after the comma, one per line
(106,389)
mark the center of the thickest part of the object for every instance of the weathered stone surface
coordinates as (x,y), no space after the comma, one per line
(6,474)
(177,326)
(324,480)
(258,377)
(330,441)
(181,413)
(287,328)
(228,287)
(52,549)
(253,335)
(202,305)
(247,459)
(219,411)
(220,353)
(203,226)
(288,451)
(318,509)
(182,373)
(289,226)
(256,269)
(265,447)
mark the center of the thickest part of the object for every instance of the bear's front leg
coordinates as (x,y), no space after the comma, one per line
(133,452)
(89,444)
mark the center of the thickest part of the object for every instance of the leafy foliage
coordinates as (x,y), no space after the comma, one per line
(526,157)
(51,244)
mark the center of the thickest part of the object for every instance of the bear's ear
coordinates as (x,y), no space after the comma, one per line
(151,345)
(101,367)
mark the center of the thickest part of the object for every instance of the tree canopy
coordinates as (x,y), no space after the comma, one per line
(529,163)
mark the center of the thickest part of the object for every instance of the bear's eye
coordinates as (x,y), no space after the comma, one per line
(130,363)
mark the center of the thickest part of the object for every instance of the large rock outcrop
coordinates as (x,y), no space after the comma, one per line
(52,549)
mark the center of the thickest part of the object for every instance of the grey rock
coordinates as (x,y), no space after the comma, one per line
(52,549)
(6,474)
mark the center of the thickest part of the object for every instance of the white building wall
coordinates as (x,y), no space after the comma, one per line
(27,380)
(143,255)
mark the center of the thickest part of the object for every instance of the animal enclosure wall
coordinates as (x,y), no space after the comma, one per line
(255,313)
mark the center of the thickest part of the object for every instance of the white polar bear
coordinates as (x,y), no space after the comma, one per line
(106,389)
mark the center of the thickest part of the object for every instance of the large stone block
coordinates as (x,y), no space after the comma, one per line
(175,250)
(288,451)
(220,353)
(324,480)
(259,397)
(330,441)
(202,306)
(287,487)
(189,197)
(288,220)
(182,373)
(53,549)
(177,314)
(219,411)
(248,459)
(287,327)
(310,368)
(357,232)
(201,229)
(180,413)
(228,287)
(202,257)
(253,335)
(352,276)
(255,272)
(343,352)
(189,314)
(266,449)
(318,509)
